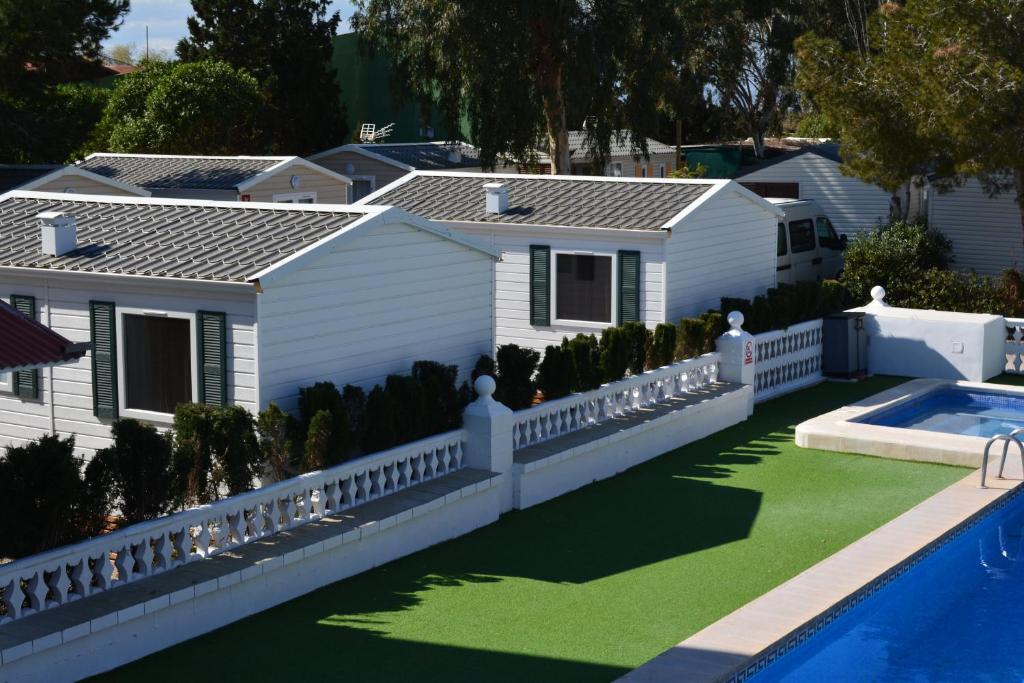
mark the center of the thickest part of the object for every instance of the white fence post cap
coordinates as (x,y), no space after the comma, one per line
(485,386)
(735,319)
(878,296)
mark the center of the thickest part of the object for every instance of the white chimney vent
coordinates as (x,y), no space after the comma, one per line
(497,197)
(58,232)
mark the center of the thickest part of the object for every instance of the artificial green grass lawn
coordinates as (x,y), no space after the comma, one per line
(589,585)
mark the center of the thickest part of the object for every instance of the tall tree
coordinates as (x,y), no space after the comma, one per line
(287,45)
(940,90)
(43,44)
(525,71)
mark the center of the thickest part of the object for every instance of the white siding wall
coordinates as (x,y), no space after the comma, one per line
(985,231)
(853,205)
(512,279)
(726,247)
(382,172)
(329,190)
(372,307)
(68,314)
(82,185)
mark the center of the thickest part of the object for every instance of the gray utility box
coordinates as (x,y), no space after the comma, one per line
(844,345)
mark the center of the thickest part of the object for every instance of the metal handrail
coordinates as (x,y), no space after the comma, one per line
(1006,439)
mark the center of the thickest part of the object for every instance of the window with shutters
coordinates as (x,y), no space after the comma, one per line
(157,356)
(583,287)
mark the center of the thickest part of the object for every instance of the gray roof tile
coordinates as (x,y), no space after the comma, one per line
(429,156)
(192,241)
(543,200)
(621,144)
(180,173)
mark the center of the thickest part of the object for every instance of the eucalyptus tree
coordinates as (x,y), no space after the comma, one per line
(524,71)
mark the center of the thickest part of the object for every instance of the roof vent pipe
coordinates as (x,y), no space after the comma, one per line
(58,232)
(497,197)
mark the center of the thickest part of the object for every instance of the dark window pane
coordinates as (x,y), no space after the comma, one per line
(827,236)
(360,188)
(801,235)
(584,288)
(157,362)
(782,240)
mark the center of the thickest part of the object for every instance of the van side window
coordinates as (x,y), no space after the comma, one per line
(801,235)
(827,236)
(782,240)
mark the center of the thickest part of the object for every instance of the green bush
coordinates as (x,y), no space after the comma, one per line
(276,451)
(556,374)
(950,290)
(236,451)
(485,365)
(353,400)
(135,471)
(586,361)
(638,340)
(614,354)
(663,346)
(192,458)
(325,396)
(697,335)
(409,403)
(381,429)
(441,396)
(515,367)
(44,500)
(895,257)
(318,442)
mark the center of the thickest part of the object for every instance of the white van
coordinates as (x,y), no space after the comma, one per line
(809,247)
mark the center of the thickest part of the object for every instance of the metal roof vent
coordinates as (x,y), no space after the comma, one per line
(497,197)
(58,232)
(454,156)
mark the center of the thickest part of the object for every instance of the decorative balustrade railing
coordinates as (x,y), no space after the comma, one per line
(787,359)
(55,577)
(1014,346)
(562,416)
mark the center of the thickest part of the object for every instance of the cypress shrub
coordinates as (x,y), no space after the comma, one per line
(381,429)
(586,361)
(515,368)
(484,366)
(236,454)
(555,376)
(442,401)
(663,346)
(325,396)
(410,408)
(638,340)
(192,458)
(318,442)
(614,354)
(135,471)
(44,500)
(353,400)
(691,338)
(276,451)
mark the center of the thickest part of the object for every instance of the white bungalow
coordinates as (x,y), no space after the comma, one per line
(224,302)
(75,180)
(582,253)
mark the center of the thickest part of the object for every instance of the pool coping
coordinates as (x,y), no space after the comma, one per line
(838,430)
(747,640)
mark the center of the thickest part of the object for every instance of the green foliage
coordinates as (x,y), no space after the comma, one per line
(353,400)
(485,365)
(638,340)
(287,45)
(136,470)
(950,290)
(202,107)
(236,456)
(192,459)
(698,171)
(615,354)
(586,361)
(324,396)
(893,256)
(443,404)
(663,346)
(515,367)
(381,421)
(318,442)
(815,125)
(44,501)
(276,450)
(556,374)
(409,401)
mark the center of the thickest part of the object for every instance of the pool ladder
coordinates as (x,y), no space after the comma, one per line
(1006,439)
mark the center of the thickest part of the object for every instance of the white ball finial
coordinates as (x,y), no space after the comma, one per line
(485,386)
(735,319)
(878,294)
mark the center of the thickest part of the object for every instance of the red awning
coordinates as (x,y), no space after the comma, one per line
(26,344)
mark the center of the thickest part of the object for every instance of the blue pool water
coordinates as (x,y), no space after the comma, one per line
(958,615)
(956,411)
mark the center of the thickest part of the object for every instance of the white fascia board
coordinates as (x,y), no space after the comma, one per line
(125,279)
(441,229)
(288,163)
(358,149)
(82,173)
(570,231)
(100,155)
(724,186)
(172,201)
(589,178)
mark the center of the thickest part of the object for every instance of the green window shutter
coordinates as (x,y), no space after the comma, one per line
(540,285)
(211,345)
(26,382)
(103,329)
(629,286)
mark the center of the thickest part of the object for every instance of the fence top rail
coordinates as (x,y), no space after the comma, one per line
(1014,321)
(796,327)
(135,532)
(620,385)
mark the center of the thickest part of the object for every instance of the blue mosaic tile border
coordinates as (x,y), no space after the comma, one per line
(800,636)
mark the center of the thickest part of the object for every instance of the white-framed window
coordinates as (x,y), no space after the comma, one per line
(661,170)
(296,198)
(643,171)
(362,185)
(583,288)
(6,383)
(157,358)
(615,169)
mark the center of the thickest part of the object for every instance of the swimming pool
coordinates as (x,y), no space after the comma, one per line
(955,410)
(954,616)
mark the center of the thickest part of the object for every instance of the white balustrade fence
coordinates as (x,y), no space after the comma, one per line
(53,578)
(562,416)
(788,359)
(1014,346)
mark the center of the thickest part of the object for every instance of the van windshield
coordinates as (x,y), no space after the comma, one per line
(827,236)
(782,240)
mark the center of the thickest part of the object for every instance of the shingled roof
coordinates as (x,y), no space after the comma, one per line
(429,156)
(26,344)
(620,145)
(180,172)
(218,241)
(577,201)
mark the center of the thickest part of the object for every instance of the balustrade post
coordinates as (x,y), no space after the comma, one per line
(488,426)
(737,350)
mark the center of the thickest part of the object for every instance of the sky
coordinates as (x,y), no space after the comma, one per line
(166,21)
